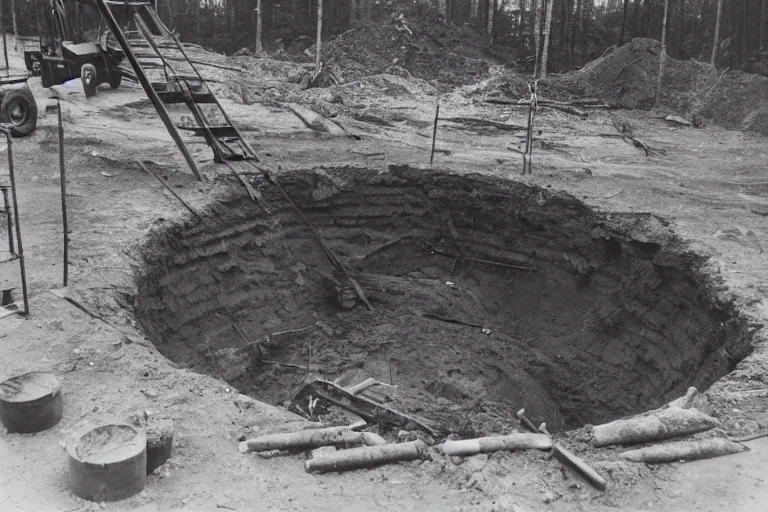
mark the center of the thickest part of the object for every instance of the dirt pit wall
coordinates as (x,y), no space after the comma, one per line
(487,295)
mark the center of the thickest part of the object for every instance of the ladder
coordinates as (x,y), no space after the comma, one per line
(168,76)
(15,252)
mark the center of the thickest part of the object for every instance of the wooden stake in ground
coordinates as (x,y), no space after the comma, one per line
(434,133)
(662,52)
(547,27)
(63,179)
(717,32)
(365,457)
(319,44)
(259,18)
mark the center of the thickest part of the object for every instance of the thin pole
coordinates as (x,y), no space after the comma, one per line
(63,180)
(9,218)
(163,183)
(20,252)
(434,133)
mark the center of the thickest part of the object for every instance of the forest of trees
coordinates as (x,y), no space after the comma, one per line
(580,29)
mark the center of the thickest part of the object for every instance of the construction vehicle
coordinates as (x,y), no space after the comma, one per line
(60,57)
(18,109)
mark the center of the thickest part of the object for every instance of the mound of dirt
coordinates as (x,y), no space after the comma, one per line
(626,77)
(412,41)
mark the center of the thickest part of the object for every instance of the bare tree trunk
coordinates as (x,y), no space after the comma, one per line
(663,51)
(636,19)
(259,20)
(681,28)
(547,27)
(534,27)
(521,21)
(764,26)
(716,42)
(576,32)
(319,43)
(15,25)
(198,31)
(624,23)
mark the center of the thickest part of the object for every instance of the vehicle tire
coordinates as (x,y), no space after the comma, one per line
(114,79)
(90,78)
(19,109)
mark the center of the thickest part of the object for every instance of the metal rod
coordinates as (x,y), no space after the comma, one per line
(163,183)
(434,133)
(114,27)
(9,216)
(20,253)
(63,195)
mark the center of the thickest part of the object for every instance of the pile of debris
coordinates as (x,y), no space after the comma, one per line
(370,442)
(412,42)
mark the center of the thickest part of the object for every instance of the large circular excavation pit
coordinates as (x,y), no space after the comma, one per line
(487,296)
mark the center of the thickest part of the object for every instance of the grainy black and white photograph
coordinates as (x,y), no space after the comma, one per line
(384,255)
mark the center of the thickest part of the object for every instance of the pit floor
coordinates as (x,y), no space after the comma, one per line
(710,186)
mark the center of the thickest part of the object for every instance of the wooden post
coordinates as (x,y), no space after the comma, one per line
(717,32)
(62,177)
(663,52)
(547,27)
(15,26)
(259,20)
(319,43)
(434,138)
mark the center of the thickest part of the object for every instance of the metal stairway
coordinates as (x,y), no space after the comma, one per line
(168,76)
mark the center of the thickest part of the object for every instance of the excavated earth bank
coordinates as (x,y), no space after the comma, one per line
(616,317)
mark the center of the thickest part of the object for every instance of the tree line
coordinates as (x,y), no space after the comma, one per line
(576,30)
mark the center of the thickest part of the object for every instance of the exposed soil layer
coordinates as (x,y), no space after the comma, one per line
(616,316)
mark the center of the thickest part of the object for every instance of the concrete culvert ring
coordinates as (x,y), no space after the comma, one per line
(616,317)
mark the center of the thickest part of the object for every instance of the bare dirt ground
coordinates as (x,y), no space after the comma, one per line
(710,186)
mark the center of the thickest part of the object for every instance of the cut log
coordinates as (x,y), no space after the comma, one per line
(684,450)
(303,440)
(509,442)
(365,457)
(474,121)
(315,121)
(656,426)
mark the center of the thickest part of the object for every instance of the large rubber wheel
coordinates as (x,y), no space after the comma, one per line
(90,79)
(19,109)
(114,79)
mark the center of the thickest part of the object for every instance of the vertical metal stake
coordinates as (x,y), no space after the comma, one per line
(434,134)
(9,217)
(20,253)
(63,195)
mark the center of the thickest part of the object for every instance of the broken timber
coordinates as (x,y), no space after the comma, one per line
(370,411)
